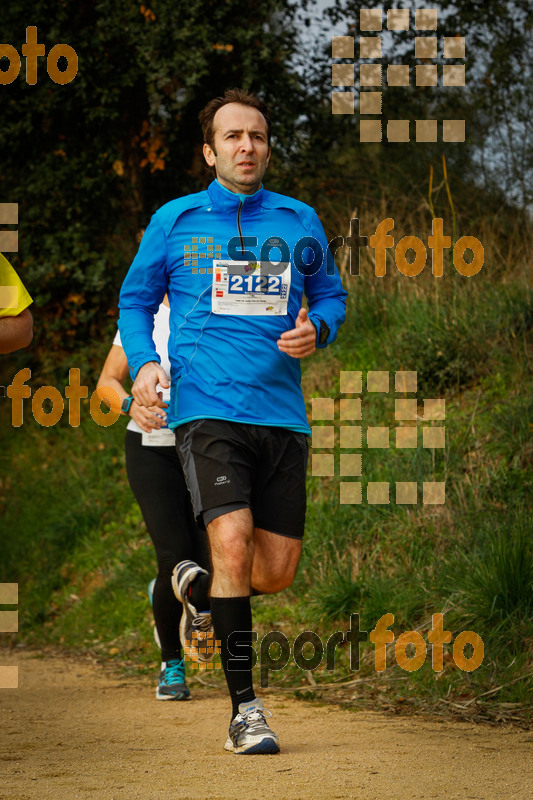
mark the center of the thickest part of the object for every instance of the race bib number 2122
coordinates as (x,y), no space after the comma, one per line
(240,287)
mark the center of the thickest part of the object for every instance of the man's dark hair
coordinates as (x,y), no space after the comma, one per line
(241,96)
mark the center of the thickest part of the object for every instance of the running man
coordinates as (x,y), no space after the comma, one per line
(237,331)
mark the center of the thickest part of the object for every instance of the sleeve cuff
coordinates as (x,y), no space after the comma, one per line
(322,331)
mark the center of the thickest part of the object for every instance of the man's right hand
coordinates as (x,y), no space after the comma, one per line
(143,389)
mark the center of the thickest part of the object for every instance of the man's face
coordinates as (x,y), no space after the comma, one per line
(240,154)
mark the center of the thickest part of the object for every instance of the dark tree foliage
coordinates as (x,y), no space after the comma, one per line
(89,161)
(496,101)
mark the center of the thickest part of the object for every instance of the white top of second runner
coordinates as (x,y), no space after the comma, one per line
(161,334)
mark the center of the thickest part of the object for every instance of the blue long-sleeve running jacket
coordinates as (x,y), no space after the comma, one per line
(226,366)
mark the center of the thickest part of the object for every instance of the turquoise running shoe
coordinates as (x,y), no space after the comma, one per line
(172,684)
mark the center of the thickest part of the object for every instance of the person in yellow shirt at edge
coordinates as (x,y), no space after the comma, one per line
(16,322)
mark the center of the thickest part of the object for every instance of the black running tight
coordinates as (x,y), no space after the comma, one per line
(157,481)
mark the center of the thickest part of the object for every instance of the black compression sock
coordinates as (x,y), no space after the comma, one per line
(232,619)
(199,592)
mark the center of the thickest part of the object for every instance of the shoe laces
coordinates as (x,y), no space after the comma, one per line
(175,672)
(255,714)
(202,621)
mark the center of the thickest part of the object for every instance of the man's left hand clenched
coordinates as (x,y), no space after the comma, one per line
(301,340)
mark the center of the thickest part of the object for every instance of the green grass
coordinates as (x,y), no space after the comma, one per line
(472,556)
(495,590)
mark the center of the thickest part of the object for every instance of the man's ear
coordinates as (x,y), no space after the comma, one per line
(268,156)
(209,155)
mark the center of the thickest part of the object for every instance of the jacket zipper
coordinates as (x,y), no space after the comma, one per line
(239,225)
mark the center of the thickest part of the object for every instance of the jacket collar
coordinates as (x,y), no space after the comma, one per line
(229,201)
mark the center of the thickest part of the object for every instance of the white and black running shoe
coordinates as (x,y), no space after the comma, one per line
(196,627)
(249,733)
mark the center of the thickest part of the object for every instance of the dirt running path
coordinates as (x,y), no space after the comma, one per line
(73,730)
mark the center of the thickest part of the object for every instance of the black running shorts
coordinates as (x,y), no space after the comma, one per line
(231,465)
